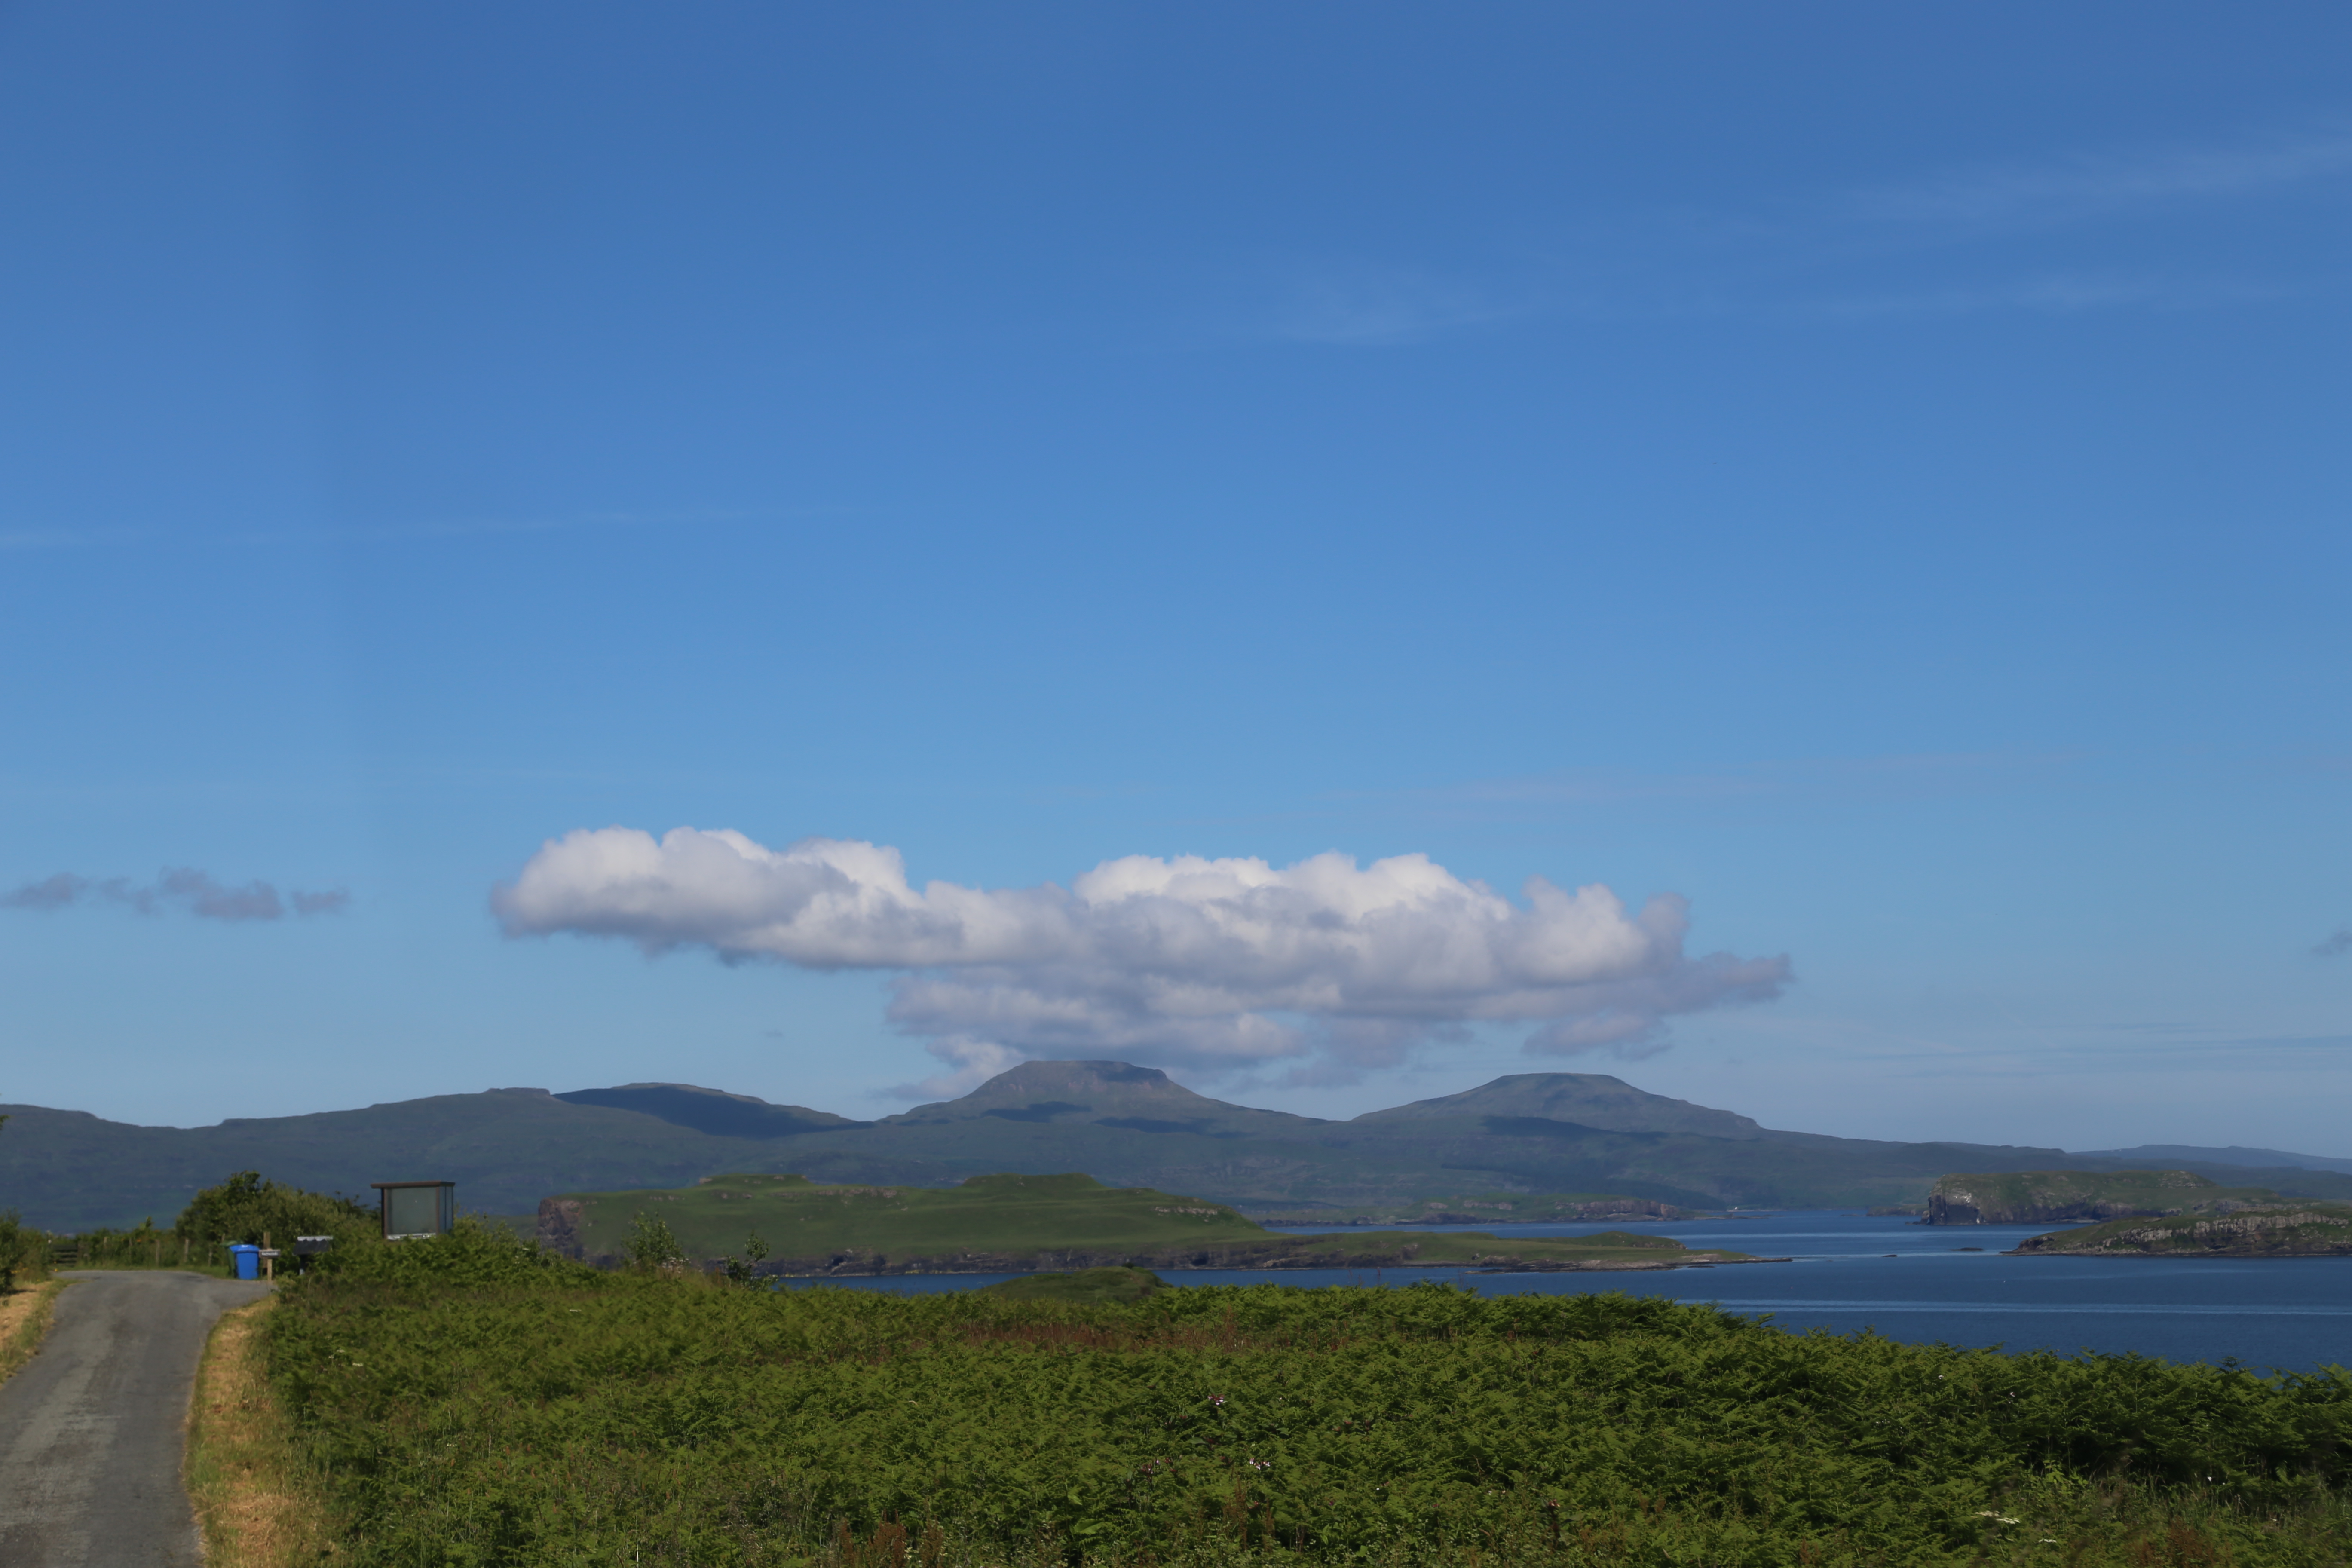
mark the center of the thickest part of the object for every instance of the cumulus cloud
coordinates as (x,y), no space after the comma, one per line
(1629,1035)
(968,1064)
(1216,965)
(179,888)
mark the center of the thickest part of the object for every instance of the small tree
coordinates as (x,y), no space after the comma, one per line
(15,1241)
(742,1270)
(12,1242)
(651,1246)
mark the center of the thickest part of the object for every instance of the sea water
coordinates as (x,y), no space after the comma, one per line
(2288,1313)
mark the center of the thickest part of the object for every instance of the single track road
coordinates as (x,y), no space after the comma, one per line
(92,1430)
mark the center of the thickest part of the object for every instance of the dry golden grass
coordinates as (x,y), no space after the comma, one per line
(248,1491)
(25,1315)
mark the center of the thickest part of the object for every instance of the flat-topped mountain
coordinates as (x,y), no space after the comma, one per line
(1103,1094)
(1589,1137)
(1586,1098)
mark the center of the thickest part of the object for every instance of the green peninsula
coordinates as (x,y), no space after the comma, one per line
(2041,1198)
(1014,1224)
(2280,1230)
(1487,1207)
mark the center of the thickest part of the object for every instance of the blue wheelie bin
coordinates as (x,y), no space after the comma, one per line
(248,1258)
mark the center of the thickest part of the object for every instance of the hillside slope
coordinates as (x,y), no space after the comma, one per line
(711,1110)
(2200,1157)
(67,1170)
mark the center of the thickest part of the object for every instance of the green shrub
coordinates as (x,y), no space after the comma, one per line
(245,1208)
(1085,1285)
(472,1256)
(21,1248)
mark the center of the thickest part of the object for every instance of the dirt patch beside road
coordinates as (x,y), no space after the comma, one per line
(242,1476)
(25,1315)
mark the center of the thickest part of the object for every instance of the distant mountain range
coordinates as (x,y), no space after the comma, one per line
(1129,1126)
(2171,1156)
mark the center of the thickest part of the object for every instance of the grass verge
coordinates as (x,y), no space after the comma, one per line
(252,1498)
(25,1316)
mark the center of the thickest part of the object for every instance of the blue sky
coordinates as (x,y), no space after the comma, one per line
(1876,473)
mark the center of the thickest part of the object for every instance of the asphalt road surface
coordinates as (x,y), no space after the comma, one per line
(92,1429)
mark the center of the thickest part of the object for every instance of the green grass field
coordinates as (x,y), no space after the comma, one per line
(465,1401)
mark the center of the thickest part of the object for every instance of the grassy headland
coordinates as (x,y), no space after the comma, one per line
(471,1401)
(2040,1197)
(1486,1208)
(804,1222)
(2279,1230)
(1006,1224)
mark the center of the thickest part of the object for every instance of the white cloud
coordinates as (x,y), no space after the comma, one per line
(2093,185)
(1211,964)
(1629,1035)
(2051,294)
